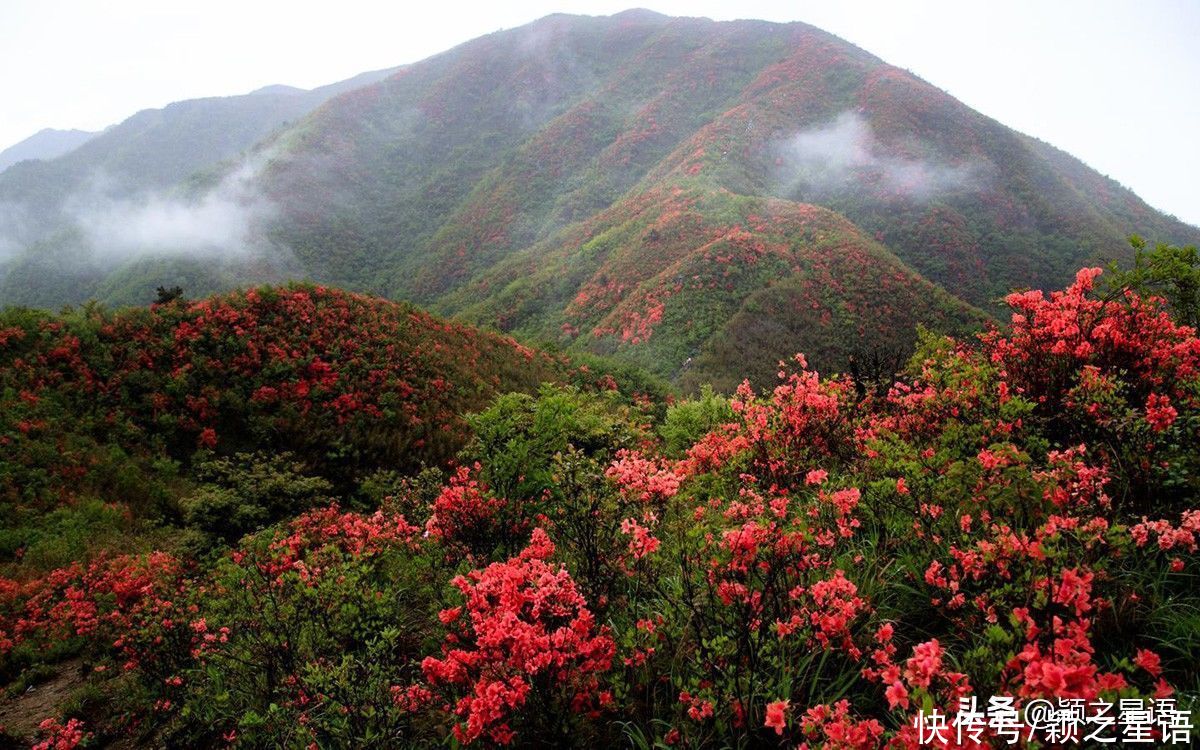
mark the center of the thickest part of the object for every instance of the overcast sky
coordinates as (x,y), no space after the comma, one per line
(1114,83)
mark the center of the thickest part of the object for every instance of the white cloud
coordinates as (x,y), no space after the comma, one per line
(226,221)
(845,156)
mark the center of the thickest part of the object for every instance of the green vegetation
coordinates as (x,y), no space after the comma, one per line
(1166,271)
(634,186)
(585,563)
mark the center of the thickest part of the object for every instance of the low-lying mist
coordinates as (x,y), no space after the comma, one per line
(225,223)
(13,230)
(845,156)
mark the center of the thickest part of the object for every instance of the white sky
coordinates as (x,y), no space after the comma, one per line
(1116,83)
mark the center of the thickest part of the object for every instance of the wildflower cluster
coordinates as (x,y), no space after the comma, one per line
(816,568)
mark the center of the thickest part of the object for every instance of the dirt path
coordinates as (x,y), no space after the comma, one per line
(20,715)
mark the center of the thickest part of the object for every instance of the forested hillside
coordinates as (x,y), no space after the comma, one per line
(605,152)
(218,531)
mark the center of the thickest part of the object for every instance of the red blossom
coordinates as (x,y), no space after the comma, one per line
(526,626)
(834,728)
(642,543)
(56,736)
(777,716)
(1159,413)
(1149,661)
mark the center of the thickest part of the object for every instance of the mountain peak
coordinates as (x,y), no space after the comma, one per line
(667,190)
(277,88)
(640,14)
(47,143)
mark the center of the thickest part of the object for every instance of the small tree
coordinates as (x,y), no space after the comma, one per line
(1170,272)
(167,295)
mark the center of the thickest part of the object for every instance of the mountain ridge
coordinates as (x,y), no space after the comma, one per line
(427,184)
(154,149)
(47,143)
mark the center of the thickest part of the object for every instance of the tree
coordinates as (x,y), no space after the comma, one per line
(166,295)
(1170,272)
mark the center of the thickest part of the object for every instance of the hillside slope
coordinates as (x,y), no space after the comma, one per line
(708,286)
(518,149)
(337,378)
(50,210)
(44,144)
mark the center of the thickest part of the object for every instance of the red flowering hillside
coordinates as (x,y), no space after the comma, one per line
(436,184)
(809,565)
(301,368)
(227,414)
(712,287)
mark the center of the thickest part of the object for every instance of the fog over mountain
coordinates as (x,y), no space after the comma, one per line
(492,180)
(839,155)
(221,221)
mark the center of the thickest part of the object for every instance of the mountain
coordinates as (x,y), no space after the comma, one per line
(509,179)
(138,161)
(44,145)
(687,194)
(158,148)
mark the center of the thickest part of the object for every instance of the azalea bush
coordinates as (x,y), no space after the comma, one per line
(524,652)
(810,565)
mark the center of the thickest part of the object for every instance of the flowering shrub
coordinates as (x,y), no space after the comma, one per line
(95,603)
(1051,341)
(316,621)
(643,479)
(811,568)
(468,515)
(550,456)
(524,635)
(1113,370)
(61,736)
(826,726)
